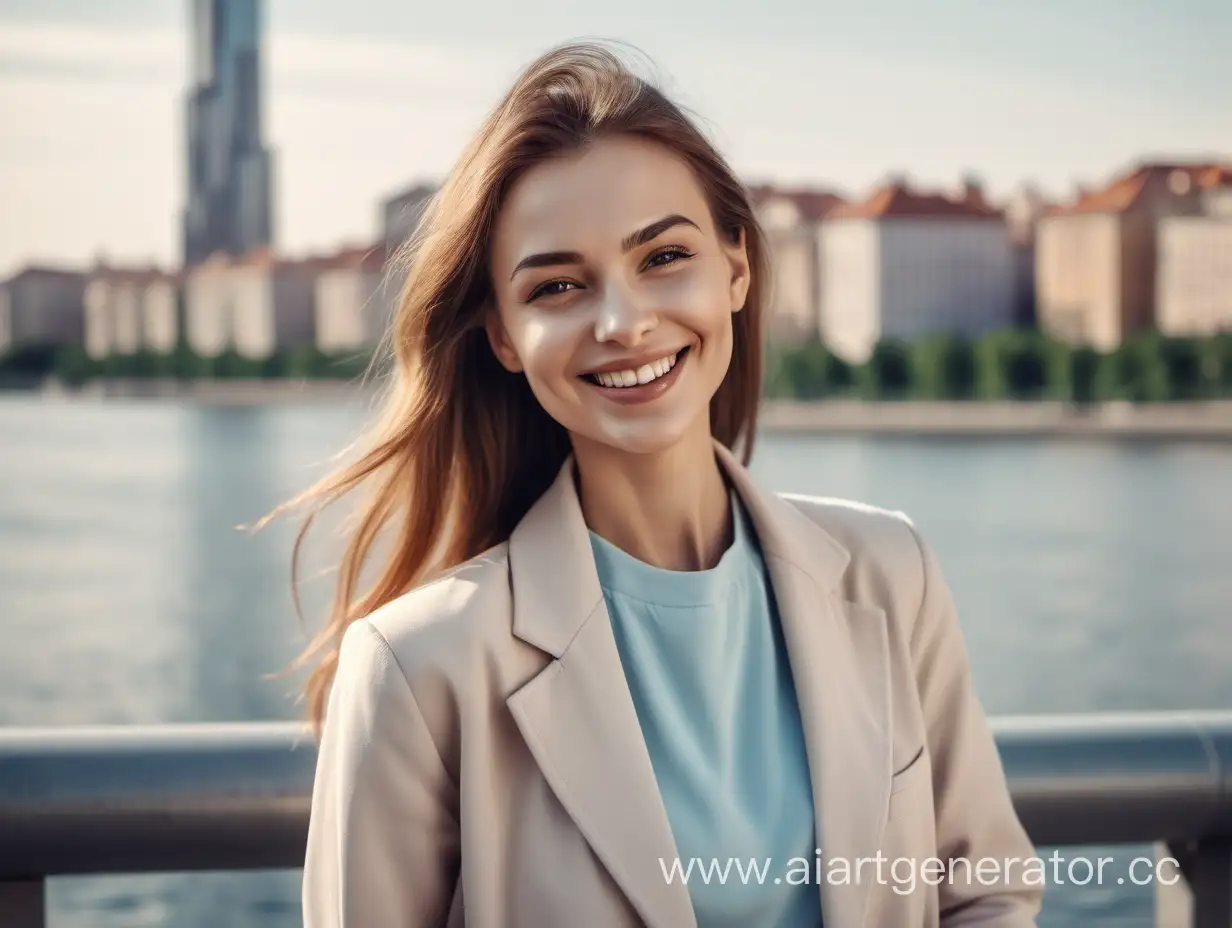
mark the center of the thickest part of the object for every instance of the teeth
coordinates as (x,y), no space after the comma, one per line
(643,375)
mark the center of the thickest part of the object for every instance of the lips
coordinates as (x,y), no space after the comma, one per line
(637,376)
(638,393)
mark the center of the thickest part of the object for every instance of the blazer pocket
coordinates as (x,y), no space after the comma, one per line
(909,773)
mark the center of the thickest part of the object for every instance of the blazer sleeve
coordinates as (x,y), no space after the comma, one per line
(975,816)
(383,838)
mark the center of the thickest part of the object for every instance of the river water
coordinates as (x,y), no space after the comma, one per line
(1089,576)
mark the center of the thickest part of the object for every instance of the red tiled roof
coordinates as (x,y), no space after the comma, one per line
(896,200)
(1125,190)
(812,204)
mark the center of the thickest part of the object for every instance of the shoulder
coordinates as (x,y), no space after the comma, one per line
(888,557)
(452,634)
(464,610)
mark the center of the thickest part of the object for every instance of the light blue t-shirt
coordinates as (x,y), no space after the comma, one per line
(705,660)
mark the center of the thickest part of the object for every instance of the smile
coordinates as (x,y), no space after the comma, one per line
(636,377)
(637,385)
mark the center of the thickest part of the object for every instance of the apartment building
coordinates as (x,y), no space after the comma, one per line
(42,305)
(355,295)
(906,264)
(1193,294)
(1096,257)
(254,305)
(791,219)
(129,310)
(402,211)
(1023,210)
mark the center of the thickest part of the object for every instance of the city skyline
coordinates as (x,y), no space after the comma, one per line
(229,170)
(363,101)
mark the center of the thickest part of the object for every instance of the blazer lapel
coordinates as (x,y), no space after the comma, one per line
(839,656)
(577,714)
(578,719)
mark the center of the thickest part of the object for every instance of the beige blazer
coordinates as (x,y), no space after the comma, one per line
(481,762)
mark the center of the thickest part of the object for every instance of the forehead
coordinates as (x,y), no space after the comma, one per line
(595,197)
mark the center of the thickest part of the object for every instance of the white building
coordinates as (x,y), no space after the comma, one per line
(253,305)
(792,221)
(905,265)
(128,310)
(1194,273)
(356,293)
(42,306)
(1096,260)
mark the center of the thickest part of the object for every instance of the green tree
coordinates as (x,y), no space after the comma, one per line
(991,380)
(163,363)
(1025,356)
(1216,364)
(943,368)
(345,365)
(1020,364)
(117,365)
(231,365)
(807,366)
(887,372)
(1138,371)
(186,364)
(1182,360)
(29,362)
(181,360)
(1059,369)
(807,370)
(143,364)
(300,362)
(1084,366)
(275,366)
(73,366)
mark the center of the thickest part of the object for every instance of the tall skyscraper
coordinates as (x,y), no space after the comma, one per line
(230,172)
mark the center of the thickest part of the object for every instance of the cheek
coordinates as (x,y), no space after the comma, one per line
(545,345)
(700,298)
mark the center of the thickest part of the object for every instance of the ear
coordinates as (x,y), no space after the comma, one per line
(741,276)
(498,338)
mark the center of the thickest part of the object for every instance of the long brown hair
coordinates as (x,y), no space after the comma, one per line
(462,448)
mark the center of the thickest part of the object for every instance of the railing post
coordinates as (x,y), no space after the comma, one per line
(24,904)
(1211,883)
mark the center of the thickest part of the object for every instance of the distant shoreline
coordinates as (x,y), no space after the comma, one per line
(1210,421)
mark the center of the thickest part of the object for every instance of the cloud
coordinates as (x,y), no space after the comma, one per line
(298,64)
(94,120)
(93,123)
(49,45)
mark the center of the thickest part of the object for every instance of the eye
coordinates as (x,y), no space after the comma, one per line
(550,288)
(669,255)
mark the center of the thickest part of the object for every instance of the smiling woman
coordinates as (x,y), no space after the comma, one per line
(596,655)
(631,311)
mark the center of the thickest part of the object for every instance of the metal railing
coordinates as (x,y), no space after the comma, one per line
(236,797)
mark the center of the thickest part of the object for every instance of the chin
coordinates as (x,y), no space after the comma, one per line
(648,437)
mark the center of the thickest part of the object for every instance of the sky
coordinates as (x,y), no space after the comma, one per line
(367,96)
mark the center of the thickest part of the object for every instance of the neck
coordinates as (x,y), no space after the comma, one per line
(669,508)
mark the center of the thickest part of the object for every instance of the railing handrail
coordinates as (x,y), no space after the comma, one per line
(236,796)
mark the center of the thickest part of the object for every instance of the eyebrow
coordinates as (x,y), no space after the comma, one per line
(633,240)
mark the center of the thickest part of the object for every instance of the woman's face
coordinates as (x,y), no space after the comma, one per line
(614,293)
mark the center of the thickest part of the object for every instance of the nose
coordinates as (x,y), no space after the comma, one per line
(624,318)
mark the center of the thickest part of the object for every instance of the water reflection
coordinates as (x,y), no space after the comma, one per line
(1088,576)
(237,603)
